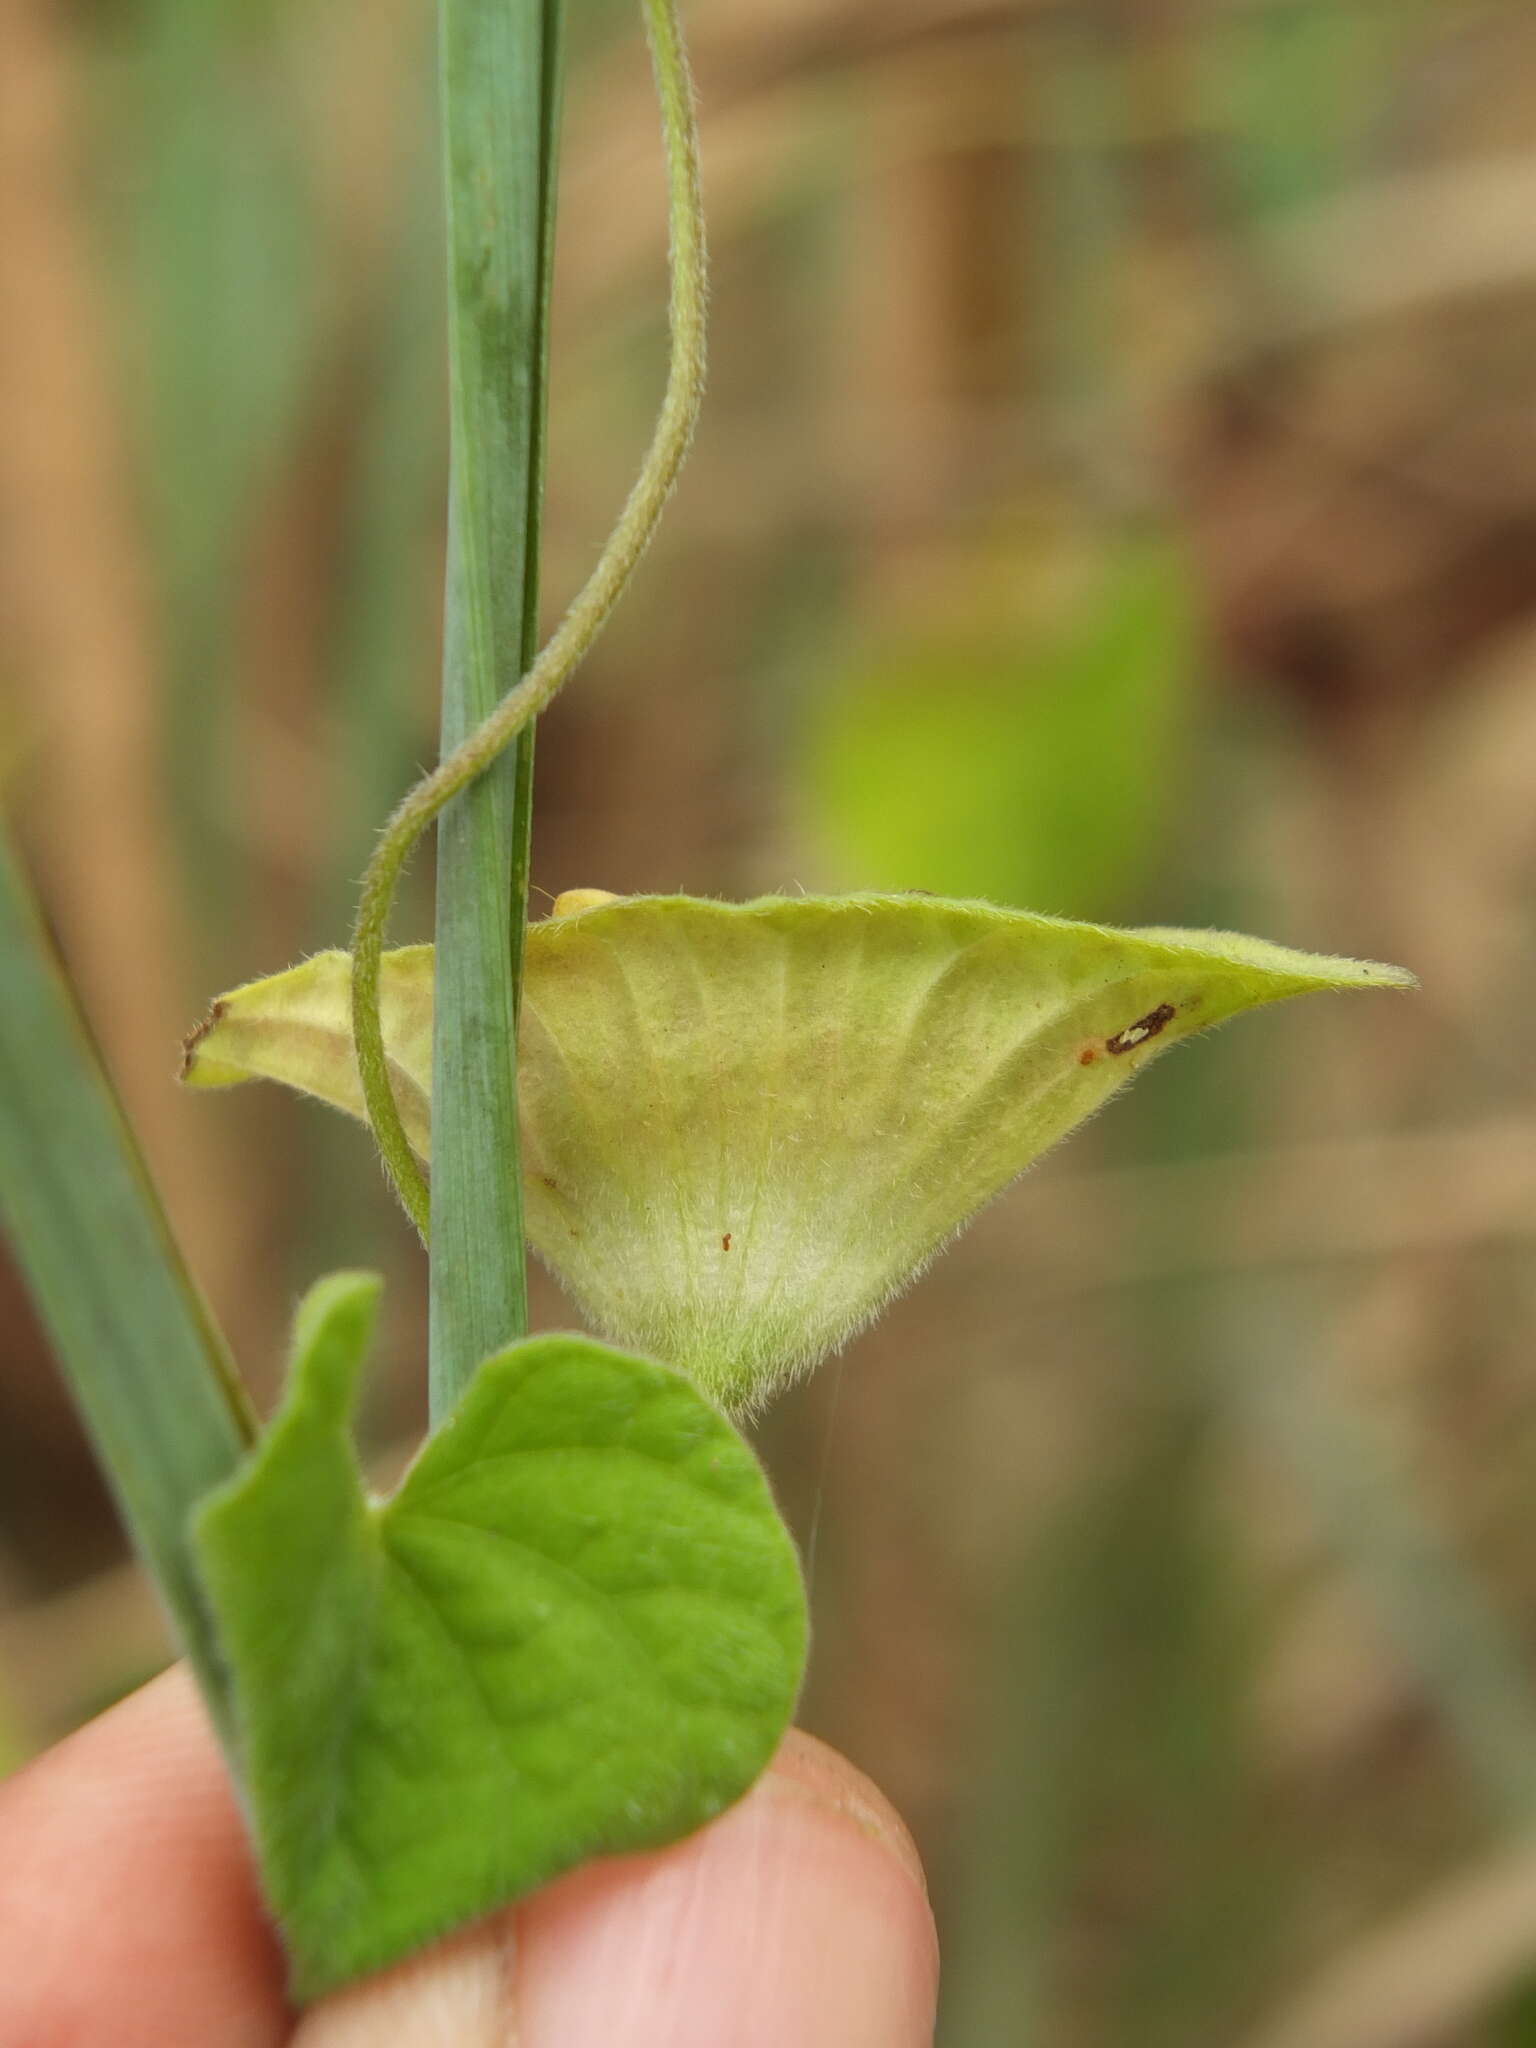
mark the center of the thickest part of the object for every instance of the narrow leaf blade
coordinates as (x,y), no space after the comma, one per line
(145,1362)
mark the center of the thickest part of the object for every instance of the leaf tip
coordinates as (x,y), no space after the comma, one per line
(331,1333)
(1383,974)
(191,1047)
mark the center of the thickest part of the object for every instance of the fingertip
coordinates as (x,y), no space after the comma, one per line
(799,1916)
(128,1900)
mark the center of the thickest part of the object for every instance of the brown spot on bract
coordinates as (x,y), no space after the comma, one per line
(725,1242)
(1143,1029)
(1087,1056)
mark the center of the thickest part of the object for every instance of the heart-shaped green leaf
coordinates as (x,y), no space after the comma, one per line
(577,1628)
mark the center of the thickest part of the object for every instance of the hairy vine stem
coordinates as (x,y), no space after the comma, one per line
(582,623)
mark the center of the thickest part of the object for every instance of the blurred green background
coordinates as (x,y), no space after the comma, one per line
(1117,496)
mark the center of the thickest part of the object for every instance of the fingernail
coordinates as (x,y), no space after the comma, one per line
(456,1995)
(805,1768)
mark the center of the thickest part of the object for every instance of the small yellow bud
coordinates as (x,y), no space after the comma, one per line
(570,902)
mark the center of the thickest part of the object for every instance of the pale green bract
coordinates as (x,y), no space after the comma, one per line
(577,1628)
(746,1126)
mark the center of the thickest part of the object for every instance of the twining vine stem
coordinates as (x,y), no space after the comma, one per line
(581,625)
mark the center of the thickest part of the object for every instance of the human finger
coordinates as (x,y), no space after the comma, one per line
(798,1916)
(128,1905)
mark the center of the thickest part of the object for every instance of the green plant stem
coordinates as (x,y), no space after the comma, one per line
(499,84)
(581,624)
(147,1366)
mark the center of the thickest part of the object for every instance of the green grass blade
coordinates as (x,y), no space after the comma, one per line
(223,320)
(147,1367)
(500,92)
